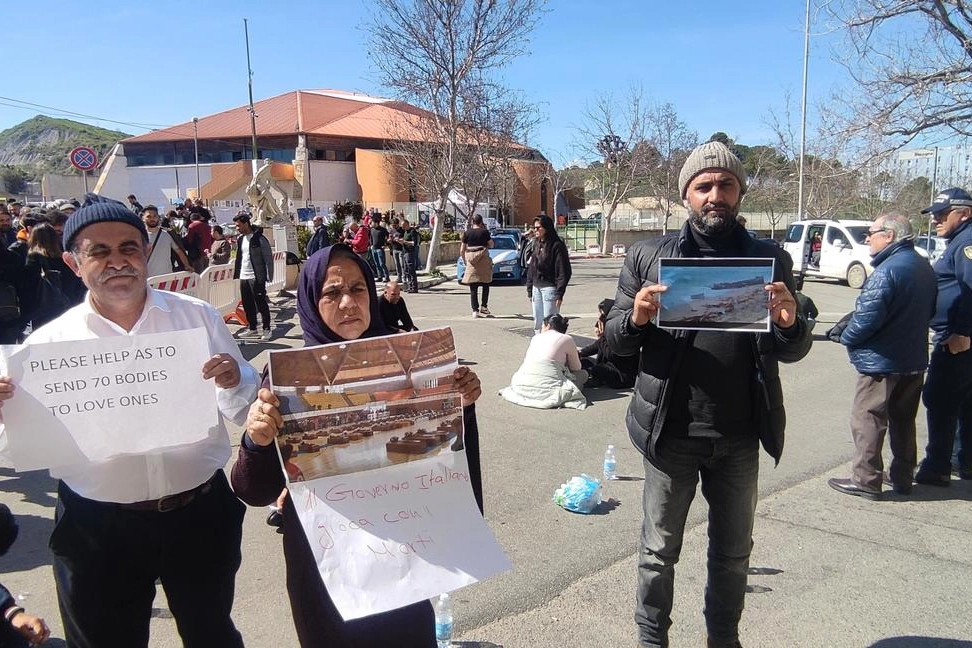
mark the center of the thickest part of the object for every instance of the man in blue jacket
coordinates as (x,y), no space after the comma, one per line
(887,340)
(948,391)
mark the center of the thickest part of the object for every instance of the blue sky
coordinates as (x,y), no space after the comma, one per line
(722,65)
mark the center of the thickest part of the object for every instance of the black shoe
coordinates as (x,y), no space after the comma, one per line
(928,479)
(848,487)
(275,519)
(900,489)
(715,643)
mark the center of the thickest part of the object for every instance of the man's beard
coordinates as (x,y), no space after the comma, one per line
(709,222)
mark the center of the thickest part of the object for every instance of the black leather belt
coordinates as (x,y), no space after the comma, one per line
(171,502)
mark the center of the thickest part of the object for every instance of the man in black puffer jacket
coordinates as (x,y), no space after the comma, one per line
(703,401)
(887,340)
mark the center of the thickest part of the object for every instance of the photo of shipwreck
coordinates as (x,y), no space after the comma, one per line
(715,294)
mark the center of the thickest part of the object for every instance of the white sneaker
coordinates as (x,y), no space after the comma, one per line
(250,333)
(267,335)
(475,314)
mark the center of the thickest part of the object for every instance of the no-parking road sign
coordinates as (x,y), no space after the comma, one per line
(83,158)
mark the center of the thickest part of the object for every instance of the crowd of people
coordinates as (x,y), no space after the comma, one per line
(703,401)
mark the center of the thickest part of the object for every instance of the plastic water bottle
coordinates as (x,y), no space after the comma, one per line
(443,621)
(610,464)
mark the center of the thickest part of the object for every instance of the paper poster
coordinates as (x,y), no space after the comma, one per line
(372,446)
(715,294)
(91,400)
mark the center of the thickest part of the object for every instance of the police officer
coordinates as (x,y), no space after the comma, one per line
(948,389)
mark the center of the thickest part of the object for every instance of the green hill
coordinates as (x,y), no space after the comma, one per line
(42,144)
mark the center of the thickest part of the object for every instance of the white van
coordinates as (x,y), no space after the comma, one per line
(843,253)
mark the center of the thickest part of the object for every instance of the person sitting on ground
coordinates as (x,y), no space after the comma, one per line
(606,369)
(17,628)
(550,375)
(393,310)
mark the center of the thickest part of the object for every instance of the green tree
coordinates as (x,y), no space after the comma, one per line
(14,179)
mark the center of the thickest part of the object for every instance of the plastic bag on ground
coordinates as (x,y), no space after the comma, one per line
(581,494)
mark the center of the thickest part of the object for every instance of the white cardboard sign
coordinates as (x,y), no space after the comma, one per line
(91,400)
(390,537)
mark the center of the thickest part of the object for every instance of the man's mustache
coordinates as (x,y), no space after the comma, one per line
(708,207)
(123,272)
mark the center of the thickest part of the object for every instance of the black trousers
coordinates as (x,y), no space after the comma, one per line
(253,293)
(947,395)
(107,559)
(474,295)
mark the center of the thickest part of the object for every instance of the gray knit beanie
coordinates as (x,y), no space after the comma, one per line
(708,156)
(97,209)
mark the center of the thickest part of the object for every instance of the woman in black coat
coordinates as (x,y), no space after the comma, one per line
(549,271)
(50,286)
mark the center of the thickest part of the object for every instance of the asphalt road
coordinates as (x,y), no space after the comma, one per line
(573,579)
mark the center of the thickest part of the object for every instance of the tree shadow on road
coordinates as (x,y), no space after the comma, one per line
(920,642)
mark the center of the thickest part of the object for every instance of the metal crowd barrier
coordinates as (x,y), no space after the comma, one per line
(279,272)
(182,282)
(215,285)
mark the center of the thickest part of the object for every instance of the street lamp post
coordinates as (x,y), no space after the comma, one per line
(195,143)
(611,147)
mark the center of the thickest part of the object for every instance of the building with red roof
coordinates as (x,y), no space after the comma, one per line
(325,145)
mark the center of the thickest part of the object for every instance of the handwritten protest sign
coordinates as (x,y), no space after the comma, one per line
(389,537)
(373,449)
(90,400)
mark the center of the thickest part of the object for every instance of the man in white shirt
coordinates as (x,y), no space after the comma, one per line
(169,514)
(161,245)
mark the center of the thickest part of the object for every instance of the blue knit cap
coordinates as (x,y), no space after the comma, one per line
(97,209)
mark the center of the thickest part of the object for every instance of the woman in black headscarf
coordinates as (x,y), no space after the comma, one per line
(549,271)
(336,300)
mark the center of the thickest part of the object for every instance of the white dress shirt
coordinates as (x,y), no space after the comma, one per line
(136,478)
(160,260)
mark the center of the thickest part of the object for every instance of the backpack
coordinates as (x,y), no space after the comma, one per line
(9,304)
(173,257)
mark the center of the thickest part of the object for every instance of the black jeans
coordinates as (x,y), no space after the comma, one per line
(253,293)
(474,295)
(948,401)
(107,559)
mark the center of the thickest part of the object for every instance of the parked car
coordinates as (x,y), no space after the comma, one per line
(843,254)
(523,244)
(930,246)
(506,260)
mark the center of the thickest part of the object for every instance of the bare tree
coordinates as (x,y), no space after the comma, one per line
(911,61)
(617,133)
(672,141)
(436,54)
(829,185)
(771,184)
(492,144)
